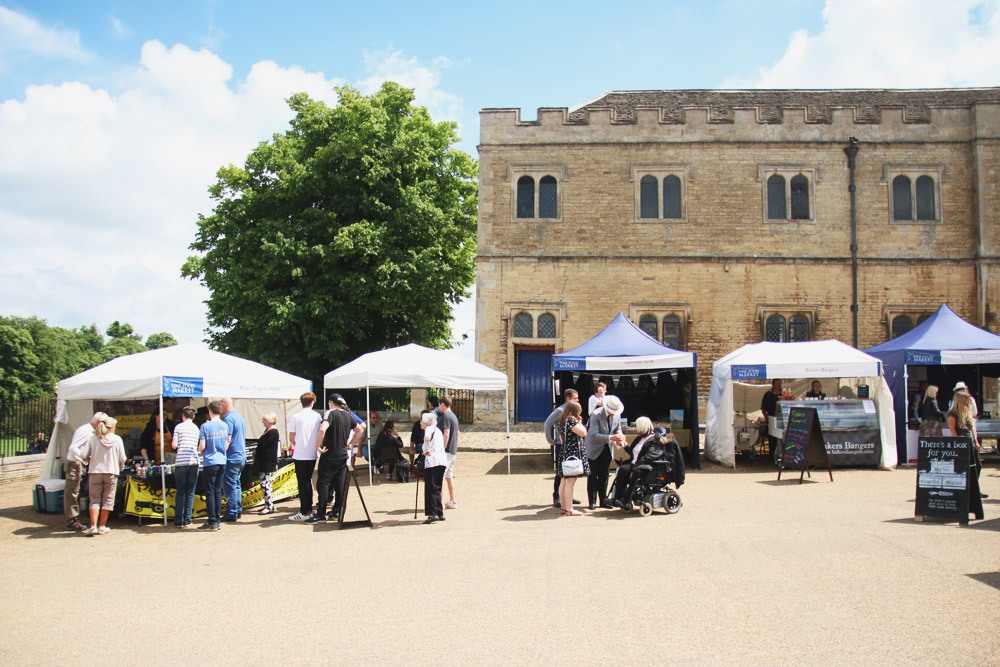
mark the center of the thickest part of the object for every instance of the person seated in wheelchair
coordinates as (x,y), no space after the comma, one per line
(654,461)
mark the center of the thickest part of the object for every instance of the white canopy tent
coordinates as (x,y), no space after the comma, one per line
(177,371)
(413,365)
(813,359)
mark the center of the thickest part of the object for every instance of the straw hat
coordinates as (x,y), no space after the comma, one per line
(613,405)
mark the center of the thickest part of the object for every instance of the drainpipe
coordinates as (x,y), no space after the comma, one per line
(852,153)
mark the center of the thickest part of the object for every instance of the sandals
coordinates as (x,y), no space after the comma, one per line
(572,513)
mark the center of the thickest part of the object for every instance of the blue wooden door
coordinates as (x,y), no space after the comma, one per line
(534,385)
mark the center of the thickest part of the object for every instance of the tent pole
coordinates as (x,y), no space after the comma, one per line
(163,469)
(368,406)
(506,412)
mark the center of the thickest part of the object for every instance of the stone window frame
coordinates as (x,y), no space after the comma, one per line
(891,312)
(913,172)
(660,172)
(788,171)
(764,311)
(683,311)
(534,309)
(514,174)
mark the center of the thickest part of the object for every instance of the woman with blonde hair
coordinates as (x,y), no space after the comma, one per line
(644,427)
(572,431)
(962,423)
(266,457)
(930,414)
(107,456)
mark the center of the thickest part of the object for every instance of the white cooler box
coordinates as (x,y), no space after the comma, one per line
(49,496)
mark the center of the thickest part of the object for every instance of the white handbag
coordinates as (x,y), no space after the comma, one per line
(572,466)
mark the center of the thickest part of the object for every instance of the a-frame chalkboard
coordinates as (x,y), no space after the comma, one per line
(946,482)
(803,444)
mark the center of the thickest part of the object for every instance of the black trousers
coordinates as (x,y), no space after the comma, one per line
(597,483)
(331,484)
(622,480)
(433,477)
(304,476)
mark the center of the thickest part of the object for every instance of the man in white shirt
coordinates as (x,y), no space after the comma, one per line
(74,466)
(302,429)
(597,399)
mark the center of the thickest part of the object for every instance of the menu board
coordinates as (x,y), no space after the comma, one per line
(943,478)
(803,443)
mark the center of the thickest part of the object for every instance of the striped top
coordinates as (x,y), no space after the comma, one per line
(186,439)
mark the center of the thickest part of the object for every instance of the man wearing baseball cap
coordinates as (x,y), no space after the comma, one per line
(337,435)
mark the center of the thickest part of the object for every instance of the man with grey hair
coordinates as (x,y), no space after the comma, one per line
(74,466)
(236,458)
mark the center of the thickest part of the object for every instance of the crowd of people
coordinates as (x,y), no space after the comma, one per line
(589,445)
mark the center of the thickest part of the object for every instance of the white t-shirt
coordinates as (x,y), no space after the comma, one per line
(78,450)
(305,425)
(593,401)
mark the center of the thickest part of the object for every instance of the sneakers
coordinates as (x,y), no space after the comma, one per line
(103,530)
(92,530)
(209,526)
(230,518)
(75,525)
(316,518)
(451,505)
(300,517)
(266,510)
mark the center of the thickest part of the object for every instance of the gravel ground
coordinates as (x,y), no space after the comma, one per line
(750,571)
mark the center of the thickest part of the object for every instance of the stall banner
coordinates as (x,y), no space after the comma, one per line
(862,447)
(182,386)
(144,501)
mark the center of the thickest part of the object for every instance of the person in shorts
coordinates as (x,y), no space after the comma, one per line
(106,458)
(449,427)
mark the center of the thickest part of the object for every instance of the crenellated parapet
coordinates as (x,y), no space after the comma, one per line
(804,115)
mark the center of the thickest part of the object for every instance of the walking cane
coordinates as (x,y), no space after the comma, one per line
(416,497)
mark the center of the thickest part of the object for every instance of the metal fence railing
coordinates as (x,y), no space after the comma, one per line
(20,424)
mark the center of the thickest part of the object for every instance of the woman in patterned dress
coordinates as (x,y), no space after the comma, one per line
(573,432)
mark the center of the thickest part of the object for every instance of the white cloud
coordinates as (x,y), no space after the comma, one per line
(389,65)
(21,35)
(119,29)
(891,44)
(102,190)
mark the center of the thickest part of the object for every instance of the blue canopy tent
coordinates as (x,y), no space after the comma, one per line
(950,348)
(649,377)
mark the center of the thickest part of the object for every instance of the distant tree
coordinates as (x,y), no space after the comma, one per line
(352,232)
(117,330)
(158,340)
(16,354)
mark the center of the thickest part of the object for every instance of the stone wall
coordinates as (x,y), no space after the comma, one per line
(724,263)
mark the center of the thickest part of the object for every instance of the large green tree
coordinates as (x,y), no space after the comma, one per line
(351,232)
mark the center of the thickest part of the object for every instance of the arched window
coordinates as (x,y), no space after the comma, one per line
(902,204)
(546,325)
(925,198)
(548,197)
(800,197)
(776,209)
(649,207)
(923,318)
(672,198)
(798,329)
(526,197)
(672,334)
(524,326)
(649,324)
(900,325)
(774,329)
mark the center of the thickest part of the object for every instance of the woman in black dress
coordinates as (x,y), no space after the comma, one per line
(266,456)
(930,414)
(573,432)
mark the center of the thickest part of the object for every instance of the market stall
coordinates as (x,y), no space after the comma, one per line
(943,350)
(652,380)
(415,366)
(854,423)
(186,371)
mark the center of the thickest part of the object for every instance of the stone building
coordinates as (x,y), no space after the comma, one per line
(718,218)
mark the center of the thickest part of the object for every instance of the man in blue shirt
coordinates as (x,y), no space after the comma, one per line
(236,458)
(212,440)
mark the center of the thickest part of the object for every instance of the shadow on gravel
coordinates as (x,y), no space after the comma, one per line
(974,524)
(523,464)
(988,578)
(531,513)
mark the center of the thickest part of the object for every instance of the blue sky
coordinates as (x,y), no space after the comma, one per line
(114,116)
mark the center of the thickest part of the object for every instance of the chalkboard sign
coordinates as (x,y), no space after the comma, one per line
(803,444)
(946,485)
